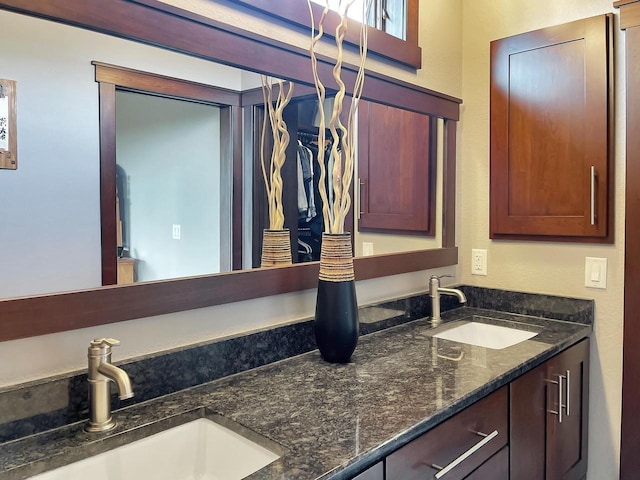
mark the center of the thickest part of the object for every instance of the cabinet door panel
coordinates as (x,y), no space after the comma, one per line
(527,425)
(567,440)
(551,161)
(396,159)
(541,447)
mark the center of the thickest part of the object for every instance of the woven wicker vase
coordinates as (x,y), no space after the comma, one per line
(336,323)
(276,248)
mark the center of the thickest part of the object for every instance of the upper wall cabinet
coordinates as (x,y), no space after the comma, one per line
(396,163)
(551,134)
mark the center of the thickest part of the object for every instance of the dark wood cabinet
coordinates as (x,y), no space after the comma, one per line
(458,446)
(549,409)
(551,134)
(535,428)
(397,160)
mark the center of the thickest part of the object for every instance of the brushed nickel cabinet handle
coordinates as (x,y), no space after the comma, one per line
(593,195)
(361,196)
(568,404)
(444,470)
(558,412)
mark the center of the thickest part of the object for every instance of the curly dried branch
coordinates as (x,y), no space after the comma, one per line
(273,181)
(343,145)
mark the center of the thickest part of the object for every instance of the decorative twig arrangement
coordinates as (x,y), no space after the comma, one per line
(343,146)
(271,174)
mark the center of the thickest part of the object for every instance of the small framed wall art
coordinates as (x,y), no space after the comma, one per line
(8,125)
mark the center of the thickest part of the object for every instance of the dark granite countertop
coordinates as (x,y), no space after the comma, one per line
(331,421)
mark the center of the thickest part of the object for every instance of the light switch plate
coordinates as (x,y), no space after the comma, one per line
(595,272)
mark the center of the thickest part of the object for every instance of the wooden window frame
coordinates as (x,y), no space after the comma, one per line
(296,12)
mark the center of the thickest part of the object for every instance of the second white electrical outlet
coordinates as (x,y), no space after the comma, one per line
(177,232)
(367,249)
(478,262)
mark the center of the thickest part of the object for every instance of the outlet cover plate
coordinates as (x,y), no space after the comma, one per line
(478,262)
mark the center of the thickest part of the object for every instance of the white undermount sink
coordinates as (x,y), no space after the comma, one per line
(485,335)
(198,450)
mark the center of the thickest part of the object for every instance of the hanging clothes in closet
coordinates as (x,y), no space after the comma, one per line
(310,219)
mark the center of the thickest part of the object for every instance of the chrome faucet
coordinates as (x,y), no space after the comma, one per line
(435,290)
(101,373)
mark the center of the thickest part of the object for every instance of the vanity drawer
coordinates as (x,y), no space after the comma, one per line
(479,431)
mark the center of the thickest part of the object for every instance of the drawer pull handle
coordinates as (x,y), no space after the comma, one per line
(561,404)
(568,400)
(593,195)
(361,197)
(444,470)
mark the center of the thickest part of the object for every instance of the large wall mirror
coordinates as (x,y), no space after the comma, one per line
(89,161)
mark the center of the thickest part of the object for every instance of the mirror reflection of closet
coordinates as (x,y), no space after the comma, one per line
(168,183)
(300,175)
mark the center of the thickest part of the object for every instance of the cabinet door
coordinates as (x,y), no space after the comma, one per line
(567,427)
(551,134)
(396,155)
(527,430)
(542,447)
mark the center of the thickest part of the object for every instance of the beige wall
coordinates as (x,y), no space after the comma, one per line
(543,266)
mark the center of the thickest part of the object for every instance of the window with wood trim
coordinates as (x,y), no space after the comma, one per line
(393,34)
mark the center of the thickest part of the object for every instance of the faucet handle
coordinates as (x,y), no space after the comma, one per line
(105,342)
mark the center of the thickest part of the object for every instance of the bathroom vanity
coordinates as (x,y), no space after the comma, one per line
(407,401)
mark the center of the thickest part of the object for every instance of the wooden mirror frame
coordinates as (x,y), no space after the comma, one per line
(216,41)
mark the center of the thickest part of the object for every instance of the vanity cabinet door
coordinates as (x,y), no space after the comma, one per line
(456,448)
(543,444)
(396,162)
(567,427)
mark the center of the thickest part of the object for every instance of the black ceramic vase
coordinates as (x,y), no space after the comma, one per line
(336,323)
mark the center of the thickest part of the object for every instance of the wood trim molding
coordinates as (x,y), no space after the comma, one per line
(25,317)
(137,80)
(629,14)
(449,185)
(108,229)
(630,427)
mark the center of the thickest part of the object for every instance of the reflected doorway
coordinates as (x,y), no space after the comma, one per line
(168,182)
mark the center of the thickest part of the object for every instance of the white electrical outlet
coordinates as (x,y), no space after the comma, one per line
(177,232)
(367,249)
(478,262)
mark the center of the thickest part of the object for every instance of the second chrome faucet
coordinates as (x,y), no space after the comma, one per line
(101,373)
(435,290)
